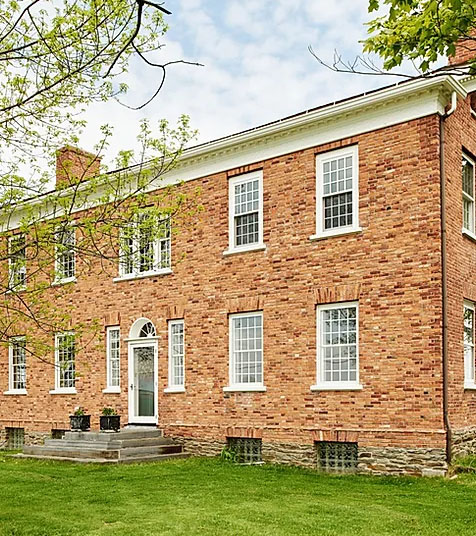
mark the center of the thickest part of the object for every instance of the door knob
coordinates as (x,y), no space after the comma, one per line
(132,386)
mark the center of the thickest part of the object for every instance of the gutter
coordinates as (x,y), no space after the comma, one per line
(444,274)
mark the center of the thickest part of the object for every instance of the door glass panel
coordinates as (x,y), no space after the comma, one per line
(144,381)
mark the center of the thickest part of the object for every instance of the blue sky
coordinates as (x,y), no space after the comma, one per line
(257,66)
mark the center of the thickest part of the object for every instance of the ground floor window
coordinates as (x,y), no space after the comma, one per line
(468,343)
(246,350)
(113,357)
(17,361)
(245,449)
(65,362)
(336,456)
(176,354)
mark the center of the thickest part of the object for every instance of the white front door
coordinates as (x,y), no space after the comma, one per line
(143,382)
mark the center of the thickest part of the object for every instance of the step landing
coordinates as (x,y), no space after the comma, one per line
(126,446)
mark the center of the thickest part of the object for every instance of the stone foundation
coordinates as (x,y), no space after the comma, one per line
(402,461)
(31,438)
(372,460)
(464,442)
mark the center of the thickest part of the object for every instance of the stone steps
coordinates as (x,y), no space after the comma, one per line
(125,446)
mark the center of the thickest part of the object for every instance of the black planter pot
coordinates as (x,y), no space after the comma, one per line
(80,422)
(110,423)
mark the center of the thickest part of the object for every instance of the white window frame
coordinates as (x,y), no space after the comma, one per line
(157,245)
(233,386)
(321,384)
(109,387)
(59,280)
(13,268)
(232,182)
(469,368)
(172,386)
(12,390)
(472,230)
(62,390)
(321,159)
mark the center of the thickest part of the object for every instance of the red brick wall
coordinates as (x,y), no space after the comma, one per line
(460,135)
(392,267)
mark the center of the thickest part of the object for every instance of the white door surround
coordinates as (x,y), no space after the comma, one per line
(143,375)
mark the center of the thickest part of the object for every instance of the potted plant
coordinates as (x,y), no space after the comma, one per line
(79,421)
(109,421)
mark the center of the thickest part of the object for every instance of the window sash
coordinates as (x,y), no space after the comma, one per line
(338,344)
(246,349)
(337,191)
(246,211)
(140,255)
(113,356)
(176,353)
(17,363)
(468,343)
(17,261)
(468,192)
(65,361)
(65,258)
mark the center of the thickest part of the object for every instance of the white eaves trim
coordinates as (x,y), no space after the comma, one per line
(382,108)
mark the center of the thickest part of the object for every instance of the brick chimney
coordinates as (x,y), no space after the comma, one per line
(74,165)
(465,50)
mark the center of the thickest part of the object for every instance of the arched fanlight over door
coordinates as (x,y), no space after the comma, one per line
(147,330)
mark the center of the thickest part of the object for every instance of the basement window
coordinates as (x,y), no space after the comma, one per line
(247,450)
(337,457)
(15,438)
(57,433)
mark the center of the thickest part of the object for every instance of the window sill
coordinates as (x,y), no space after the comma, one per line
(335,232)
(64,391)
(165,271)
(243,388)
(235,251)
(470,386)
(16,290)
(178,389)
(111,390)
(469,234)
(337,386)
(17,392)
(58,282)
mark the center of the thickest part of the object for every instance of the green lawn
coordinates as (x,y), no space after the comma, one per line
(211,497)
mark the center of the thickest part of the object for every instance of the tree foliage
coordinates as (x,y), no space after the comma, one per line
(419,30)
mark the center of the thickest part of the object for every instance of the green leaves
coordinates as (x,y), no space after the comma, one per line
(418,30)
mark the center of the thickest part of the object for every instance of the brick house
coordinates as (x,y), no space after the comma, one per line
(323,311)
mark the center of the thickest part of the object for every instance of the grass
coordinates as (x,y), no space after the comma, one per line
(211,497)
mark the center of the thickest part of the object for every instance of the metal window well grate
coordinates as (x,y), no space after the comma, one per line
(337,456)
(246,450)
(15,438)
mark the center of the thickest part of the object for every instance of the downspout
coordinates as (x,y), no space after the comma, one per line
(444,272)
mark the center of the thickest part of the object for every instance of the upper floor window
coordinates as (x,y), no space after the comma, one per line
(467,172)
(17,261)
(246,352)
(468,343)
(246,212)
(65,361)
(337,192)
(113,357)
(337,346)
(65,261)
(145,246)
(17,364)
(176,355)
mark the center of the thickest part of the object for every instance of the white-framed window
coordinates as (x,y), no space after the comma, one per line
(145,247)
(337,346)
(246,352)
(468,183)
(245,203)
(337,192)
(17,364)
(65,362)
(65,257)
(468,344)
(176,356)
(17,262)
(113,358)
